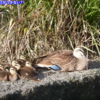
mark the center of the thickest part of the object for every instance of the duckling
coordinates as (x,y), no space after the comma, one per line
(67,60)
(8,76)
(1,68)
(27,72)
(14,74)
(14,62)
(22,61)
(5,67)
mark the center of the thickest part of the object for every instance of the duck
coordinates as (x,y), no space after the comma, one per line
(63,60)
(27,72)
(8,76)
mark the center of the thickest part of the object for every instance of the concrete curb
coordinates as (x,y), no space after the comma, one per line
(78,85)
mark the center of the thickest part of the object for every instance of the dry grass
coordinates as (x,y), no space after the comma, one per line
(41,26)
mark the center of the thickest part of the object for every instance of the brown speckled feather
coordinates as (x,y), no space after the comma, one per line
(6,66)
(7,76)
(21,62)
(63,59)
(54,55)
(4,76)
(28,73)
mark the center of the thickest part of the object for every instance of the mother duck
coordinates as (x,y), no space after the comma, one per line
(64,60)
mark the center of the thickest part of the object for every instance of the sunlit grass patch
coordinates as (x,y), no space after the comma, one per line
(40,26)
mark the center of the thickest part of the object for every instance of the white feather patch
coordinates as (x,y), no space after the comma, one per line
(43,65)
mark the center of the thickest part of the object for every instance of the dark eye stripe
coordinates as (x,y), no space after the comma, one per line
(81,50)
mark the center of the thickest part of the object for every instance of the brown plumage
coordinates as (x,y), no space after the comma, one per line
(55,54)
(27,72)
(22,61)
(67,60)
(1,68)
(8,76)
(5,66)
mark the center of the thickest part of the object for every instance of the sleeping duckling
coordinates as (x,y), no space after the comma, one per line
(27,72)
(14,62)
(67,60)
(14,74)
(8,76)
(21,61)
(4,67)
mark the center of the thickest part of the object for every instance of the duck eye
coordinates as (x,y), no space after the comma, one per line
(81,50)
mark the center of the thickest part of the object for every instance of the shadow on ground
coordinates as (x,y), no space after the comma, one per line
(94,64)
(87,90)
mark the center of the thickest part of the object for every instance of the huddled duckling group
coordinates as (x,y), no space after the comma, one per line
(19,69)
(61,60)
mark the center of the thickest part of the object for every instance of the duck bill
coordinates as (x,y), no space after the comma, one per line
(37,80)
(88,59)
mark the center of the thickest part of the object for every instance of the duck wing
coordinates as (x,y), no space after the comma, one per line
(56,59)
(56,53)
(52,54)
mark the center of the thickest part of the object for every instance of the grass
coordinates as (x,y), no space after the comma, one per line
(40,26)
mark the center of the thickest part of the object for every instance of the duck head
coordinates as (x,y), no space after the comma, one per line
(14,63)
(17,66)
(28,64)
(22,57)
(78,53)
(13,71)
